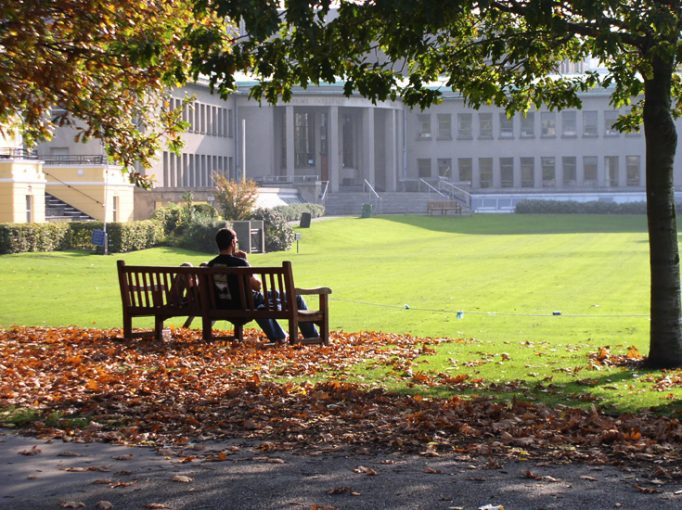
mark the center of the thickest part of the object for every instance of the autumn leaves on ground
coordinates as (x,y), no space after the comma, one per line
(90,385)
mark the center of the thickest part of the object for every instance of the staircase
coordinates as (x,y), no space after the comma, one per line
(58,210)
(350,203)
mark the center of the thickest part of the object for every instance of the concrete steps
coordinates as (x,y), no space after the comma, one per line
(58,210)
(350,203)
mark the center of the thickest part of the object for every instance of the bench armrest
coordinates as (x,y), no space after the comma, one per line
(316,290)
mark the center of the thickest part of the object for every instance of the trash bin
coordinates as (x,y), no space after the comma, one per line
(306,218)
(366,211)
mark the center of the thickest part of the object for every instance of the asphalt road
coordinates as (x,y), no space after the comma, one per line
(37,474)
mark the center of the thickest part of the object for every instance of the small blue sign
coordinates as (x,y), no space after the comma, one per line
(98,237)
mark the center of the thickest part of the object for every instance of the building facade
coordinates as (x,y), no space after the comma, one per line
(324,146)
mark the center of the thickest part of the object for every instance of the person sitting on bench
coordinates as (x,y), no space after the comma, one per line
(230,256)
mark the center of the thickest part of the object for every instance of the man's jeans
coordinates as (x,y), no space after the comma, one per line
(272,328)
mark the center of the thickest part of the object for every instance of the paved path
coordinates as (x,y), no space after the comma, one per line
(36,474)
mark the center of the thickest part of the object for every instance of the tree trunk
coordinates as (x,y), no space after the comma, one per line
(665,347)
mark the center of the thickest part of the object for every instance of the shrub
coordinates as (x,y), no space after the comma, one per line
(293,212)
(573,207)
(200,235)
(170,217)
(235,199)
(18,238)
(123,237)
(279,236)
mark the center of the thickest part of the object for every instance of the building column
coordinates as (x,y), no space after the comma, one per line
(334,147)
(516,173)
(601,173)
(368,149)
(289,140)
(622,175)
(391,150)
(558,172)
(537,173)
(475,173)
(497,174)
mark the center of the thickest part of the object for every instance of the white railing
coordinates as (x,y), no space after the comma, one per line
(325,189)
(431,187)
(455,192)
(374,197)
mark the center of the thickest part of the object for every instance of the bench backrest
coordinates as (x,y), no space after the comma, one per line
(150,289)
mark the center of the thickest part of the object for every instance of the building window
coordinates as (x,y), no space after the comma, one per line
(115,209)
(445,168)
(230,124)
(304,141)
(444,126)
(611,166)
(230,167)
(29,208)
(506,126)
(424,127)
(570,175)
(424,168)
(569,120)
(485,126)
(610,118)
(507,172)
(590,170)
(548,172)
(464,126)
(528,125)
(465,166)
(485,171)
(548,124)
(527,172)
(632,171)
(590,124)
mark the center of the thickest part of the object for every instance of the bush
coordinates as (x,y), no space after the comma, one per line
(279,236)
(18,238)
(293,212)
(573,207)
(235,199)
(123,237)
(171,217)
(200,235)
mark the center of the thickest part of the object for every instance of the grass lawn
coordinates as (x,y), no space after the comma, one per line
(508,274)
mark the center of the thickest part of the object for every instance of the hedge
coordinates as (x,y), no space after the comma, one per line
(123,237)
(573,207)
(292,212)
(18,237)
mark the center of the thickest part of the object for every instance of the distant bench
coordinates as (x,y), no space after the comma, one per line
(443,207)
(163,292)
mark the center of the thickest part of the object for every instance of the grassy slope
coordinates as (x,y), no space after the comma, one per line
(506,273)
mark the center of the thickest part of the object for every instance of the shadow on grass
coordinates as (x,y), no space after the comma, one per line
(525,224)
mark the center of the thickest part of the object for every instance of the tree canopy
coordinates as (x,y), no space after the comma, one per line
(502,52)
(104,66)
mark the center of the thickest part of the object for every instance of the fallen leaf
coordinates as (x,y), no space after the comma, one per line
(156,506)
(104,505)
(364,470)
(33,451)
(182,479)
(72,504)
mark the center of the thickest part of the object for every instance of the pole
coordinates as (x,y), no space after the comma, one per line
(105,249)
(243,150)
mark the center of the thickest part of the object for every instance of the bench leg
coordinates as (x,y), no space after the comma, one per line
(206,328)
(158,328)
(239,332)
(127,327)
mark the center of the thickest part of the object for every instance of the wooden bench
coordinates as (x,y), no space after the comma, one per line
(164,292)
(443,207)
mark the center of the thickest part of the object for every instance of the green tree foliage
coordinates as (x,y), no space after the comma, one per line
(235,199)
(105,64)
(502,52)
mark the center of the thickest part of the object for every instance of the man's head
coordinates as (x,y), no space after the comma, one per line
(225,239)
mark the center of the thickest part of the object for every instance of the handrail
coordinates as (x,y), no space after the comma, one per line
(372,191)
(75,159)
(455,190)
(17,152)
(75,189)
(323,197)
(432,188)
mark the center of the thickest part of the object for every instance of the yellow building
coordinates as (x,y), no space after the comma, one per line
(22,183)
(90,185)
